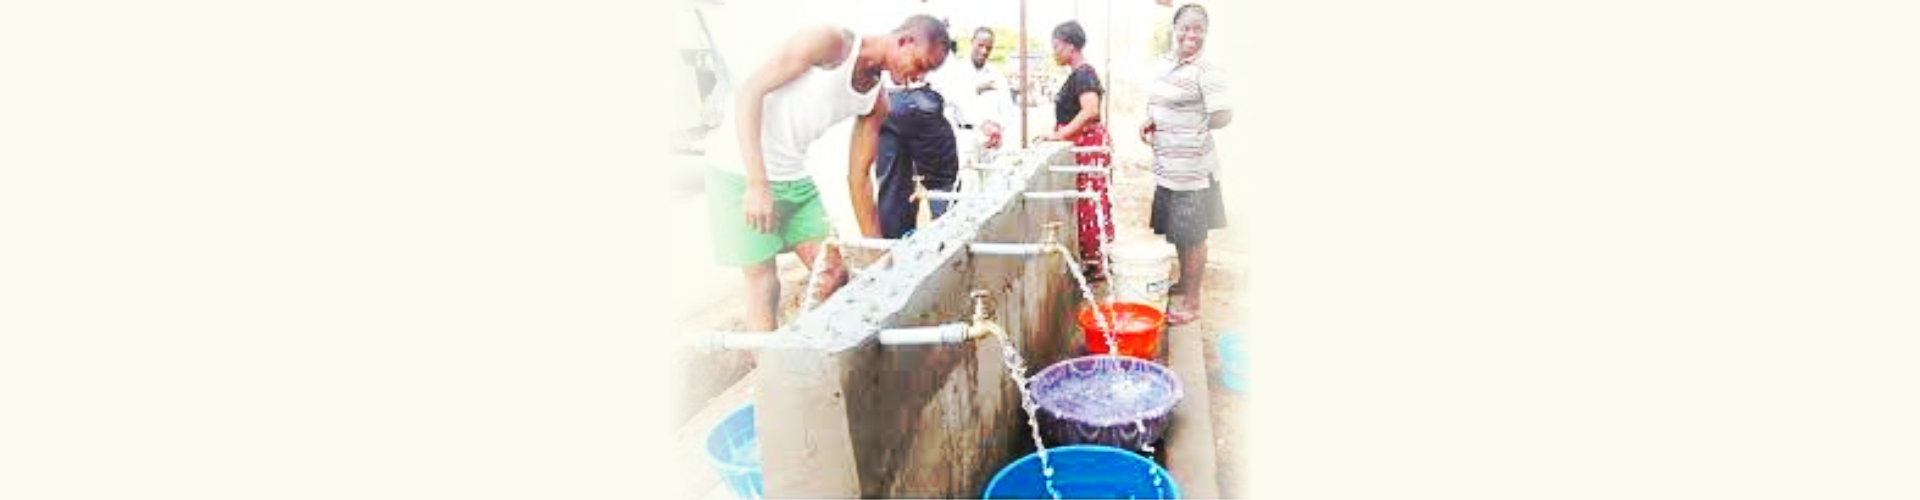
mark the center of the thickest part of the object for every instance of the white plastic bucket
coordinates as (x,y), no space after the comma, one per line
(1143,272)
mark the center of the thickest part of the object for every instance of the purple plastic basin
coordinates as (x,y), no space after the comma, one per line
(1103,399)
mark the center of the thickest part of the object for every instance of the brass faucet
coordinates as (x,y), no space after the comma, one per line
(982,325)
(1051,236)
(925,217)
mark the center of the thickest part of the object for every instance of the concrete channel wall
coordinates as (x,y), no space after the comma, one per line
(856,418)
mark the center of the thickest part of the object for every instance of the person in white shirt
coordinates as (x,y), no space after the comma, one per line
(978,102)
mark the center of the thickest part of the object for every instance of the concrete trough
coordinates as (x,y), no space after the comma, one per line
(854,418)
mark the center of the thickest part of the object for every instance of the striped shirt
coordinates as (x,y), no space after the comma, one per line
(1180,100)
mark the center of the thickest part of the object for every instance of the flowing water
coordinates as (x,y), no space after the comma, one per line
(1141,427)
(1017,367)
(1103,218)
(1099,313)
(809,295)
(1106,233)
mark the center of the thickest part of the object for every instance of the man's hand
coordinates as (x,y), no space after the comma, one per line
(758,204)
(993,133)
(1146,132)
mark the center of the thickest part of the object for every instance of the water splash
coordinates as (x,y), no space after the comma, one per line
(1105,394)
(1141,427)
(1157,489)
(1017,368)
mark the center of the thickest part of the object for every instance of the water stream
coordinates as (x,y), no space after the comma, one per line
(1106,229)
(1017,368)
(1106,242)
(1099,313)
(809,294)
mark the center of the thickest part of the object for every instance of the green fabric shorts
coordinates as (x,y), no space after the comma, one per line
(796,203)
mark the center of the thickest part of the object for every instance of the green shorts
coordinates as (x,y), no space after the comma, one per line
(796,204)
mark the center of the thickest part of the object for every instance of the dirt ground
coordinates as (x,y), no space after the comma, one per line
(1132,188)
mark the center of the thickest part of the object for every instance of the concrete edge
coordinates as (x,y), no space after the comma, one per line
(1191,454)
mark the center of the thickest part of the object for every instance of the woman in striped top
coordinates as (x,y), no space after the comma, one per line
(1185,103)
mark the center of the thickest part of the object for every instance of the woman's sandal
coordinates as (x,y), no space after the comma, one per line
(1177,316)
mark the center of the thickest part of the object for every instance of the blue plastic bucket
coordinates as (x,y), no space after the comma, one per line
(1084,471)
(1233,362)
(734,450)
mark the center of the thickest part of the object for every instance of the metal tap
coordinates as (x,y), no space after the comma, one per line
(981,325)
(925,217)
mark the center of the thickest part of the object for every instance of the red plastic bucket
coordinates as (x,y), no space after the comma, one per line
(1137,329)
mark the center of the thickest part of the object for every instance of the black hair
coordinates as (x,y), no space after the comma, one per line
(1071,33)
(1193,7)
(983,29)
(1197,8)
(928,28)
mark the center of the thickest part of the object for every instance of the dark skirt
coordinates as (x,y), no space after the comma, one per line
(1184,217)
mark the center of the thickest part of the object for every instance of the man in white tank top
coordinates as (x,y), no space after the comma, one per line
(763,201)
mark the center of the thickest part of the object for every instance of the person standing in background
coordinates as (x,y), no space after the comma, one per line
(980,105)
(916,139)
(1076,114)
(1185,102)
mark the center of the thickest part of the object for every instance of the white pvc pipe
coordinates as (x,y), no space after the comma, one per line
(737,341)
(951,196)
(867,243)
(1007,248)
(1059,195)
(1076,169)
(951,333)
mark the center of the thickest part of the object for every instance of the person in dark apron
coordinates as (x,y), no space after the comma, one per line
(915,139)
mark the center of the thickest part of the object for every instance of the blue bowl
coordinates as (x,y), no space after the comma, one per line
(1084,471)
(734,450)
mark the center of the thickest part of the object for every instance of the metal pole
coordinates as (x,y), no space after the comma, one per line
(1106,105)
(1026,86)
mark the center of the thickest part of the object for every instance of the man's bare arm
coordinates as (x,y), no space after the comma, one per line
(1219,119)
(865,146)
(1089,111)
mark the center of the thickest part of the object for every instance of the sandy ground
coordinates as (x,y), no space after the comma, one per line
(717,306)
